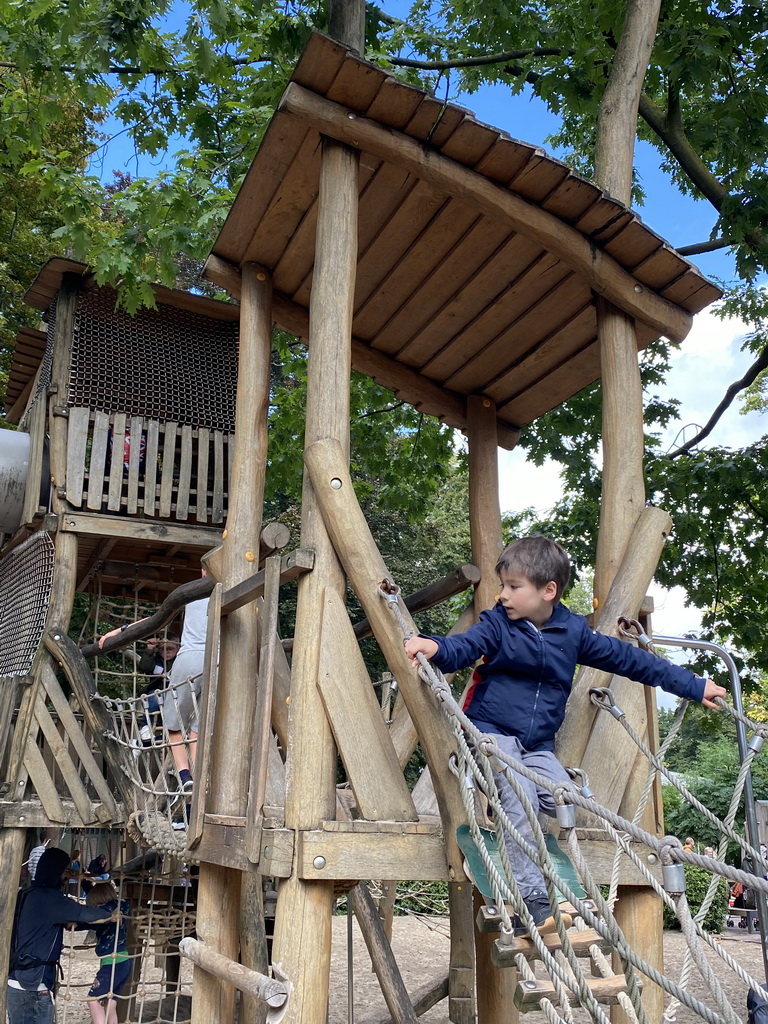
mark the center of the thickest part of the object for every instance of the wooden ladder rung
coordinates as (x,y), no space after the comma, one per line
(489,920)
(529,994)
(504,951)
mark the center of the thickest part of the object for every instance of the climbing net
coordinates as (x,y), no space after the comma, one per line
(136,699)
(479,762)
(160,897)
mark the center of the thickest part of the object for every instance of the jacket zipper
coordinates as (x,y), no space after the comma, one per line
(538,685)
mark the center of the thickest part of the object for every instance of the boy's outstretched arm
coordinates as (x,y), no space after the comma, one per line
(421,645)
(711,690)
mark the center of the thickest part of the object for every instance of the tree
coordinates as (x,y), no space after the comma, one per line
(194,89)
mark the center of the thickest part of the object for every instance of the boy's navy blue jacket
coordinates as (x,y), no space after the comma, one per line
(525,680)
(39,932)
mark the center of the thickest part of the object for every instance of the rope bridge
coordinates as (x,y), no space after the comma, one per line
(569,883)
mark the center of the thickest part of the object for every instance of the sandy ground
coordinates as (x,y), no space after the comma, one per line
(421,947)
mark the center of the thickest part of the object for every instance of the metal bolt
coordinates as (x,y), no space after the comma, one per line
(336,484)
(351,116)
(319,863)
(652,858)
(639,289)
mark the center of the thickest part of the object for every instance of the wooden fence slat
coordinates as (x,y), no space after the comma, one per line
(185,473)
(98,460)
(43,783)
(77,443)
(108,811)
(166,477)
(150,473)
(201,507)
(64,762)
(134,463)
(218,476)
(116,468)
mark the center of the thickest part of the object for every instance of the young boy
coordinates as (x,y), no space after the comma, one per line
(530,645)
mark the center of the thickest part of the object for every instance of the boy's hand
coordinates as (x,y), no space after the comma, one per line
(712,690)
(420,645)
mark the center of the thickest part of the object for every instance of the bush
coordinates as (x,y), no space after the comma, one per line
(696,884)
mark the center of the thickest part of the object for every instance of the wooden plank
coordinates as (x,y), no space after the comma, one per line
(434,122)
(395,103)
(453,223)
(384,964)
(30,814)
(207,719)
(461,971)
(185,473)
(283,215)
(292,565)
(539,178)
(337,855)
(168,470)
(262,715)
(42,781)
(358,726)
(116,466)
(137,442)
(77,443)
(150,473)
(529,994)
(108,810)
(64,763)
(504,951)
(604,274)
(111,526)
(201,506)
(37,427)
(217,508)
(98,461)
(549,302)
(478,287)
(356,84)
(470,142)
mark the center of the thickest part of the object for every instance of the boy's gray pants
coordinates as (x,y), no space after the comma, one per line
(544,762)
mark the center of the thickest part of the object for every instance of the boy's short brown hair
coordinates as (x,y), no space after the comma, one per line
(101,893)
(539,559)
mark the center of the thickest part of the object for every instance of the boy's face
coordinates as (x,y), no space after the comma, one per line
(523,600)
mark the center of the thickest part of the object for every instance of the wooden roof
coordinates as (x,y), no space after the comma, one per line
(479,255)
(27,356)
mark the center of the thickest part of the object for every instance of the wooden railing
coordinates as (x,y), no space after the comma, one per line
(134,465)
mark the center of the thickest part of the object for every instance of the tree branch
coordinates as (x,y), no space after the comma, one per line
(699,247)
(488,58)
(757,367)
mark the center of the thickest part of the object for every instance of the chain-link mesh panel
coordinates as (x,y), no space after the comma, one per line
(25,587)
(47,362)
(166,363)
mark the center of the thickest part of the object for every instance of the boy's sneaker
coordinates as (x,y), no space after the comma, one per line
(541,911)
(187,782)
(145,734)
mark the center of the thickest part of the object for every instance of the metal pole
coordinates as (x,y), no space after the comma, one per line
(750,816)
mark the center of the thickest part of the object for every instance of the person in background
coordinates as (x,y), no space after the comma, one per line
(97,872)
(708,851)
(42,912)
(689,844)
(35,855)
(75,867)
(115,963)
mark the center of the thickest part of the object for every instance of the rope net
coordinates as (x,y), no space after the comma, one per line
(158,900)
(133,688)
(570,885)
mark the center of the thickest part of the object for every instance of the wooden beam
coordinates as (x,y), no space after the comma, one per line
(344,520)
(267,990)
(131,529)
(354,855)
(406,383)
(604,275)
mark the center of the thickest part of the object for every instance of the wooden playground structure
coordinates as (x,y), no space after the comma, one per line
(478,279)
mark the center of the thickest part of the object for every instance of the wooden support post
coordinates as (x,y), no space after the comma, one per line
(461,971)
(218,908)
(623,494)
(11,857)
(384,964)
(639,914)
(302,941)
(66,305)
(495,988)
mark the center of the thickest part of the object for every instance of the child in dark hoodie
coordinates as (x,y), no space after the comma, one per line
(42,911)
(530,644)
